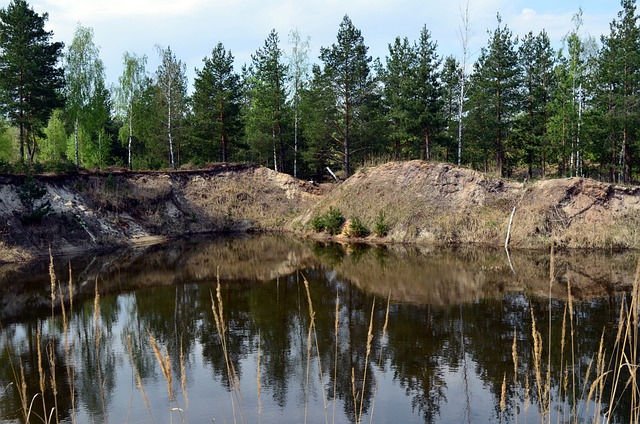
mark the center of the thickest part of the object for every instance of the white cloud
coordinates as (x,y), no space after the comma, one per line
(194,27)
(100,10)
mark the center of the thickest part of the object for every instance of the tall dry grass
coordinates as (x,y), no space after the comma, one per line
(594,396)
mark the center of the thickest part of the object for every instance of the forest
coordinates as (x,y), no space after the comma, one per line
(522,109)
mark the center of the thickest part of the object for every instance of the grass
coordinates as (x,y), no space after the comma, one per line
(593,396)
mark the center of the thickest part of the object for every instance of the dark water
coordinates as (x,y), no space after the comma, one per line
(443,357)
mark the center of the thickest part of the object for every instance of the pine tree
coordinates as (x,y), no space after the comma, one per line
(266,115)
(318,112)
(348,70)
(399,81)
(619,74)
(429,92)
(450,78)
(30,79)
(216,105)
(537,61)
(494,97)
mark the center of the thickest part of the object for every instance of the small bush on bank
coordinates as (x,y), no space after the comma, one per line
(330,222)
(357,228)
(381,227)
(31,194)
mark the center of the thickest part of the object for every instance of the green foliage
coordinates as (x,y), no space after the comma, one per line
(31,194)
(30,78)
(381,226)
(132,84)
(330,222)
(7,135)
(357,228)
(317,223)
(348,72)
(215,123)
(53,145)
(266,116)
(494,96)
(171,78)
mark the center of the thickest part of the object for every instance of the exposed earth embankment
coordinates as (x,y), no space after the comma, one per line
(421,202)
(440,203)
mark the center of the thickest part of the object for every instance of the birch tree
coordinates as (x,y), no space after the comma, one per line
(171,79)
(298,75)
(84,74)
(464,41)
(130,86)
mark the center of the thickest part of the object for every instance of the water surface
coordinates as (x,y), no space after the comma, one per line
(443,356)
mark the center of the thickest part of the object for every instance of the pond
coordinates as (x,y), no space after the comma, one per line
(275,329)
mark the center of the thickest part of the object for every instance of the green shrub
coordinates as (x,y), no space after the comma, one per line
(31,195)
(381,227)
(330,222)
(333,221)
(317,223)
(357,228)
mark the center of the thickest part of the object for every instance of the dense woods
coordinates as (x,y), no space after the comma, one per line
(522,109)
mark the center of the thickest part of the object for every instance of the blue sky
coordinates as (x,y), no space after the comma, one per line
(193,27)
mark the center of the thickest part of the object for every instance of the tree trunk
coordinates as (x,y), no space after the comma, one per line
(347,151)
(275,153)
(295,139)
(173,163)
(426,144)
(77,147)
(130,136)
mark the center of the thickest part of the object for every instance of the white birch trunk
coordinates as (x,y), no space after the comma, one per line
(130,130)
(464,35)
(75,132)
(173,164)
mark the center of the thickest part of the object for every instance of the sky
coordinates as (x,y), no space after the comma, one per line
(192,28)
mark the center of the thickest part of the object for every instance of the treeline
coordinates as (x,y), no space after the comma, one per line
(524,109)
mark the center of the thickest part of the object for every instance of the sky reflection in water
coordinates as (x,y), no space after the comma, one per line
(445,352)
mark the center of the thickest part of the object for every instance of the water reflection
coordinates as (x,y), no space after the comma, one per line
(445,353)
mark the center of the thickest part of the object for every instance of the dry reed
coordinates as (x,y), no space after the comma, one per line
(335,357)
(54,386)
(384,333)
(514,358)
(366,360)
(503,397)
(165,364)
(98,340)
(134,369)
(183,376)
(312,330)
(234,382)
(43,384)
(259,382)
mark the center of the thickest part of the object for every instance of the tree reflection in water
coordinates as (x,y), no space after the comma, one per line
(446,351)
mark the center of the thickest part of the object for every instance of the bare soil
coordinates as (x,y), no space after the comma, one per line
(423,202)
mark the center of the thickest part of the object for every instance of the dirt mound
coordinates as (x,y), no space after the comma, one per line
(578,213)
(440,203)
(420,202)
(98,211)
(425,202)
